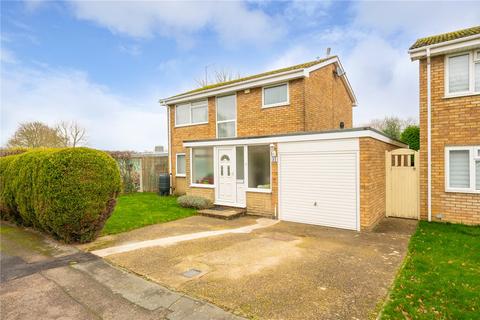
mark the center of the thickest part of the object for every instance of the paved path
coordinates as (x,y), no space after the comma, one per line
(41,279)
(168,241)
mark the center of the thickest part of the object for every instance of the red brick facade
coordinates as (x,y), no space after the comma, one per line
(455,122)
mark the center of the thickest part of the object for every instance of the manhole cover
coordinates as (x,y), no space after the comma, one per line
(191,273)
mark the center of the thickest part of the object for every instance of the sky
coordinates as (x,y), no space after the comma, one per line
(105,64)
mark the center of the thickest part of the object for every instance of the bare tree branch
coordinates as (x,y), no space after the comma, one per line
(71,133)
(220,75)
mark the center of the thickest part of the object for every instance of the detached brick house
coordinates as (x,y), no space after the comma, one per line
(280,144)
(450,125)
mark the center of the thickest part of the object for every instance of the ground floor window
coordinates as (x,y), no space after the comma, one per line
(202,166)
(181,167)
(259,167)
(462,169)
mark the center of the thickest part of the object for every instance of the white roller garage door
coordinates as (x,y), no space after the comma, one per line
(318,183)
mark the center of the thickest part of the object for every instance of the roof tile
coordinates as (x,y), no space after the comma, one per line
(439,38)
(221,84)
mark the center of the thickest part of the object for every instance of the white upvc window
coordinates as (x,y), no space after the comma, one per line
(462,169)
(259,168)
(227,116)
(275,96)
(462,74)
(181,165)
(191,113)
(201,167)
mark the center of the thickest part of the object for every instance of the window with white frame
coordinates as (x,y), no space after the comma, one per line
(191,113)
(181,165)
(462,169)
(202,166)
(274,96)
(226,116)
(463,73)
(259,167)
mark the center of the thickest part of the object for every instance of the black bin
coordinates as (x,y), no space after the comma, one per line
(164,184)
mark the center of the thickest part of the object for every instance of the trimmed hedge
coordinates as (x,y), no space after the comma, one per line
(69,192)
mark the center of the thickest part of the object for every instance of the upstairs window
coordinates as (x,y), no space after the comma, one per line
(275,96)
(226,116)
(191,113)
(463,74)
(462,169)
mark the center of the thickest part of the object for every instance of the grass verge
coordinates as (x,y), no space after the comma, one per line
(441,276)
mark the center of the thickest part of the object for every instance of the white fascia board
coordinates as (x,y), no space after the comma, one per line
(466,43)
(257,82)
(294,138)
(344,78)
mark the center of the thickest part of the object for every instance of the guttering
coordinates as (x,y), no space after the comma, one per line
(429,138)
(327,135)
(443,47)
(279,77)
(261,81)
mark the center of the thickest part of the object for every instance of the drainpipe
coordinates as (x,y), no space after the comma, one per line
(429,139)
(169,147)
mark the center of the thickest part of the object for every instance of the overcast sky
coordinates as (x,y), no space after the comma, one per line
(106,64)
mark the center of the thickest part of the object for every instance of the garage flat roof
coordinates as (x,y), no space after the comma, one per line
(299,136)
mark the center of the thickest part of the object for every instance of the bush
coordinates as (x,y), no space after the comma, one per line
(411,136)
(69,193)
(194,202)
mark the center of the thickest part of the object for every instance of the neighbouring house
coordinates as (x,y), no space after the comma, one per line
(281,144)
(450,125)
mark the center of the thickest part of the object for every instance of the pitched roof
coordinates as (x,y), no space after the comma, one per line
(439,38)
(221,84)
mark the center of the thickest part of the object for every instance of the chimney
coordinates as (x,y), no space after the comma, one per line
(159,149)
(328,52)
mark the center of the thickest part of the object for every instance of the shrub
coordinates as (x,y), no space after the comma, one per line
(69,192)
(411,136)
(194,202)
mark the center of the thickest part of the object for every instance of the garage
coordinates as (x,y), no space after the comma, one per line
(318,182)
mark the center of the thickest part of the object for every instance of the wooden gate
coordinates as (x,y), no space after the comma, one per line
(403,183)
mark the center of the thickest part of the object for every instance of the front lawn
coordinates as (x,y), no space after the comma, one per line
(141,209)
(441,275)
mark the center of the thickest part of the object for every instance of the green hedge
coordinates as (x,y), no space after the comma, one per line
(69,192)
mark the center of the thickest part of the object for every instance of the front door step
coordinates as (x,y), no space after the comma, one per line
(221,212)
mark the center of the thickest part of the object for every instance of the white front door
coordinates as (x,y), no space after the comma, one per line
(227,183)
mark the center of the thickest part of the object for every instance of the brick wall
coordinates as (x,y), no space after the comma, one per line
(327,102)
(455,121)
(372,181)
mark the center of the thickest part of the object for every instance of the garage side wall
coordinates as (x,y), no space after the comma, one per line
(372,181)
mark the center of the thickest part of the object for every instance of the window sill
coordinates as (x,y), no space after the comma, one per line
(259,190)
(180,175)
(199,185)
(460,95)
(470,191)
(283,104)
(189,124)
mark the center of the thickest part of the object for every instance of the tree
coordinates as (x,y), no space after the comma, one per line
(391,126)
(411,136)
(34,135)
(221,75)
(71,133)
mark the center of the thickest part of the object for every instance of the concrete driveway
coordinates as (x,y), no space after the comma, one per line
(284,271)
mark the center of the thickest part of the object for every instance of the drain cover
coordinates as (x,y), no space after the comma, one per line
(191,273)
